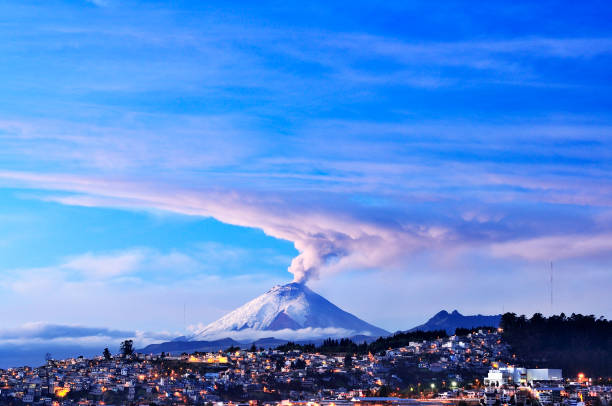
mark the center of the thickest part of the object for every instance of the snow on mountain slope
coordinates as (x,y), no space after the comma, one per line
(288,309)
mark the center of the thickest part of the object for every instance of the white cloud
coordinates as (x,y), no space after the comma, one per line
(44,331)
(102,268)
(324,238)
(35,333)
(142,287)
(328,238)
(287,334)
(556,247)
(105,266)
(155,142)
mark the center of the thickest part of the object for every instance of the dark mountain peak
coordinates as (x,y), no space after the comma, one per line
(440,314)
(449,322)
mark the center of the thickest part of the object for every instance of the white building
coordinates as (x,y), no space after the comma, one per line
(544,375)
(524,376)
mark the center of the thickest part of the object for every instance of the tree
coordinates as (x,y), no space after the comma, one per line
(280,364)
(127,348)
(299,364)
(253,348)
(107,354)
(348,361)
(383,391)
(578,343)
(380,345)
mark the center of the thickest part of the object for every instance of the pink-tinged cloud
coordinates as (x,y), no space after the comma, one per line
(332,237)
(326,239)
(556,247)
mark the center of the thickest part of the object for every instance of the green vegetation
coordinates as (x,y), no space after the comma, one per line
(348,361)
(575,344)
(127,348)
(461,331)
(346,345)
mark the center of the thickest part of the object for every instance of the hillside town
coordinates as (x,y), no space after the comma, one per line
(474,369)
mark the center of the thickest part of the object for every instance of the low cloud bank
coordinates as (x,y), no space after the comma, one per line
(309,333)
(39,333)
(44,331)
(30,343)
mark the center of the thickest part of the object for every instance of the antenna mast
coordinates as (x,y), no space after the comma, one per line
(551,288)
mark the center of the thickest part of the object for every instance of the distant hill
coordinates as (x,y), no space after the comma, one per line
(451,321)
(189,346)
(179,345)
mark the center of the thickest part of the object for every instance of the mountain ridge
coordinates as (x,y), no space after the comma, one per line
(449,322)
(175,347)
(443,320)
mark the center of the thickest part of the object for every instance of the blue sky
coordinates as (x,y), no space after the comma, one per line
(422,155)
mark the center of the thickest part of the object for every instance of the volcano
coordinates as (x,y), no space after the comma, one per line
(290,311)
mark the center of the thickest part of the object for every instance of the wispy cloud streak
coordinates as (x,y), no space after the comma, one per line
(328,238)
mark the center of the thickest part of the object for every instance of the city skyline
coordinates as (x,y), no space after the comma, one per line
(164,163)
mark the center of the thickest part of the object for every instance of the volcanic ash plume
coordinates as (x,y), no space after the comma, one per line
(361,245)
(327,240)
(315,253)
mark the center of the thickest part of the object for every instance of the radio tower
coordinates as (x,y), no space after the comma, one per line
(551,288)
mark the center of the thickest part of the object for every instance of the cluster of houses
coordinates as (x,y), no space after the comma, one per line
(443,370)
(476,353)
(540,386)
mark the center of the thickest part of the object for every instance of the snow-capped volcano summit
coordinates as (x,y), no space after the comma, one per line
(290,311)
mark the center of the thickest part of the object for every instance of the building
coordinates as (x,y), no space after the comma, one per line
(521,376)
